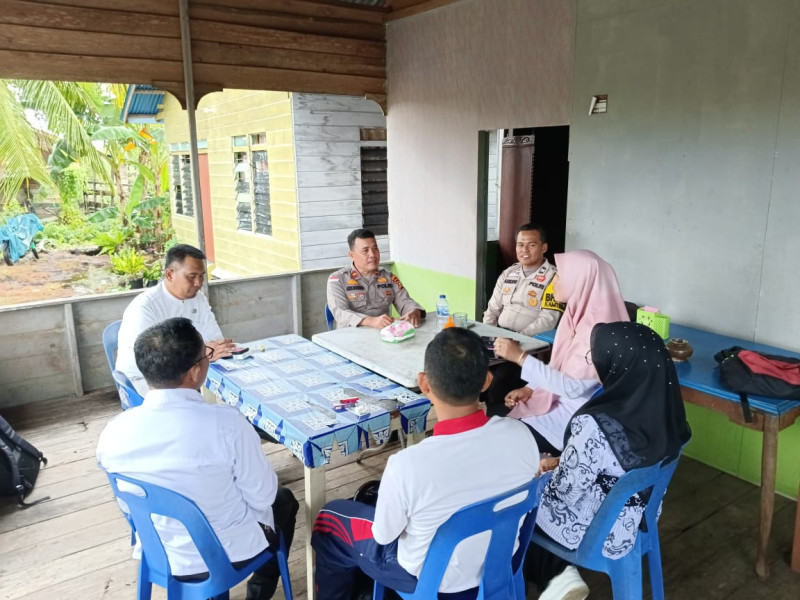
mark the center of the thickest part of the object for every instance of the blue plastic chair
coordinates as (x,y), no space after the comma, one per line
(128,396)
(154,566)
(329,318)
(110,334)
(625,572)
(502,571)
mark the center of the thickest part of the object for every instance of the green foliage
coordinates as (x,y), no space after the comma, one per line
(154,271)
(129,263)
(12,208)
(62,235)
(109,241)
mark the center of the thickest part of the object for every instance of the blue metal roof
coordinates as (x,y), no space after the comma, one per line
(141,104)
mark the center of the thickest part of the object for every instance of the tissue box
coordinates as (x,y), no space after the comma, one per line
(397,332)
(658,322)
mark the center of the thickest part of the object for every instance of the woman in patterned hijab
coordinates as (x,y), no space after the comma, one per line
(635,420)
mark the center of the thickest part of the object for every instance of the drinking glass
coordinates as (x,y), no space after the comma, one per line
(460,320)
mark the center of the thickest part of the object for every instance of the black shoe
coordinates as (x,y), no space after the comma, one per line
(260,587)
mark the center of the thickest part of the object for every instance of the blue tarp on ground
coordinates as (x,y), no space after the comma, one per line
(19,232)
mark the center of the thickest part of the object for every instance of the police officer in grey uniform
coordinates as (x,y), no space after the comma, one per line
(362,294)
(523,302)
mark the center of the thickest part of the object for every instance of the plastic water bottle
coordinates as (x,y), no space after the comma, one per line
(442,312)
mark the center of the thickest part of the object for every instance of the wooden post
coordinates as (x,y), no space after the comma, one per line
(188,77)
(72,349)
(769,466)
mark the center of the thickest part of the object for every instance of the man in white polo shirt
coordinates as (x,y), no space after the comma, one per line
(206,452)
(177,295)
(469,458)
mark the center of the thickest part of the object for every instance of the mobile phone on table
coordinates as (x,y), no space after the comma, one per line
(488,346)
(237,352)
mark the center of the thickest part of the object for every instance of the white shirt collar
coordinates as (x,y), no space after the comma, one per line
(172,396)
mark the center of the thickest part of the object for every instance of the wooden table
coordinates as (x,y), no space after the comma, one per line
(287,390)
(700,383)
(403,361)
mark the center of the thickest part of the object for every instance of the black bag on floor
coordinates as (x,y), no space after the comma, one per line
(19,465)
(749,372)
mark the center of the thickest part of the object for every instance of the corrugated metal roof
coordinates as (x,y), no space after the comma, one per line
(141,104)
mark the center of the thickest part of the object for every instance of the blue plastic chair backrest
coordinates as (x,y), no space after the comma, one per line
(654,478)
(503,521)
(156,500)
(110,342)
(128,395)
(329,317)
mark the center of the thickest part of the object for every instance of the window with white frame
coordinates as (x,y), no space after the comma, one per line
(180,177)
(251,181)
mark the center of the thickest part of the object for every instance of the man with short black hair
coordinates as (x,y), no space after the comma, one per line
(207,452)
(177,295)
(522,301)
(362,294)
(468,459)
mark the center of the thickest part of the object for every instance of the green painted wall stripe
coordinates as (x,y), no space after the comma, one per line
(425,285)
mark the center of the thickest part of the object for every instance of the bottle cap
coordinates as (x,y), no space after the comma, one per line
(441,295)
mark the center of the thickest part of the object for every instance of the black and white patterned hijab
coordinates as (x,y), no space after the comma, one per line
(639,409)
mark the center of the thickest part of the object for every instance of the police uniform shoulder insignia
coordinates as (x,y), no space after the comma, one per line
(549,300)
(396,281)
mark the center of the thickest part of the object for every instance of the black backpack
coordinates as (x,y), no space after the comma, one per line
(748,372)
(19,465)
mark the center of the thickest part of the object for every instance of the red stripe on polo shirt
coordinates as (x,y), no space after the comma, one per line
(461,424)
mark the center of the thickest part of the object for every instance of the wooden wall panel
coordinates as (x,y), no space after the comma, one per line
(286,45)
(34,340)
(34,355)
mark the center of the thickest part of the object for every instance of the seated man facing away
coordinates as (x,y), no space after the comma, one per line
(206,452)
(522,301)
(362,293)
(177,295)
(469,458)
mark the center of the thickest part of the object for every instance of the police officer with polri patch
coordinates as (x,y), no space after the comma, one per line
(362,294)
(523,297)
(523,302)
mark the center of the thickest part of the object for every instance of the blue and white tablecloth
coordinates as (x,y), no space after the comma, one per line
(288,389)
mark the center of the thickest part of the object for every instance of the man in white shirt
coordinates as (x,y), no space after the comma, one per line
(209,453)
(177,295)
(469,458)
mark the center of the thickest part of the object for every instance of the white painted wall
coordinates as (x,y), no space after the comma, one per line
(472,65)
(328,157)
(688,185)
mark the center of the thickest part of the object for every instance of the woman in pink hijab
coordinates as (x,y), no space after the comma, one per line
(589,286)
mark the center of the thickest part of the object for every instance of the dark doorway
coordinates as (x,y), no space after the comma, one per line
(532,187)
(549,186)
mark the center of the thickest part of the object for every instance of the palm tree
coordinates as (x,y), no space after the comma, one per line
(68,109)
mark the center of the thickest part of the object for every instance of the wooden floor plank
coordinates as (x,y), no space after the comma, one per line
(77,546)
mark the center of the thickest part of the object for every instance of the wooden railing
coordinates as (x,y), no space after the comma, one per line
(53,349)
